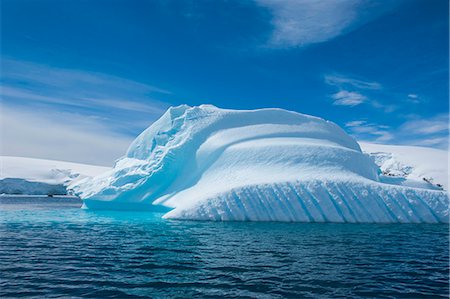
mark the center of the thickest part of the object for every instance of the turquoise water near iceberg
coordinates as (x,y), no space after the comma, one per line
(52,248)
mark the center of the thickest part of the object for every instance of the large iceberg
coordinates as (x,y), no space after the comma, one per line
(207,163)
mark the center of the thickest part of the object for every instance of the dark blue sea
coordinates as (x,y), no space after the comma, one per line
(51,248)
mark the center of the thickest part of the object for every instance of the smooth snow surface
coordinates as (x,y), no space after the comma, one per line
(261,165)
(19,175)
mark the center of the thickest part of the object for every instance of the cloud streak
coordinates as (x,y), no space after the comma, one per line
(348,98)
(298,23)
(122,102)
(435,125)
(353,92)
(423,132)
(59,136)
(73,115)
(31,82)
(340,81)
(364,130)
(35,74)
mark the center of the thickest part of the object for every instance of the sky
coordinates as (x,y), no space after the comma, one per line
(81,79)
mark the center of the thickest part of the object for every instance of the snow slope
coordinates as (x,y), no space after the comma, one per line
(19,175)
(420,164)
(261,165)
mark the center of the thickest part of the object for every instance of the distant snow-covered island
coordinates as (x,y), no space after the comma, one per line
(32,176)
(206,163)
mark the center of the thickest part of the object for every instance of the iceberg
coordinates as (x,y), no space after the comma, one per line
(206,163)
(411,164)
(33,176)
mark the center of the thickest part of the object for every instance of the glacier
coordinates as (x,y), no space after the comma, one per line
(207,163)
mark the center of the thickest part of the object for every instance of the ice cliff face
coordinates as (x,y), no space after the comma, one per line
(260,165)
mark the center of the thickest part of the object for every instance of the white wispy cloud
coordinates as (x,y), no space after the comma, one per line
(73,115)
(434,125)
(349,93)
(302,22)
(355,123)
(122,102)
(59,136)
(28,81)
(10,93)
(340,80)
(355,91)
(41,74)
(414,98)
(364,130)
(440,142)
(387,108)
(348,98)
(431,131)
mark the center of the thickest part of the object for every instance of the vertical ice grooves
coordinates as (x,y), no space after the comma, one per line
(362,207)
(345,201)
(229,213)
(439,205)
(428,208)
(411,207)
(402,207)
(297,210)
(334,202)
(214,213)
(284,202)
(257,206)
(281,203)
(328,204)
(300,202)
(263,203)
(308,204)
(274,202)
(239,213)
(386,208)
(240,206)
(315,203)
(251,210)
(381,206)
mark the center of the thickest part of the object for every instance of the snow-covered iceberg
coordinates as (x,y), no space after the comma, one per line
(207,163)
(411,165)
(32,176)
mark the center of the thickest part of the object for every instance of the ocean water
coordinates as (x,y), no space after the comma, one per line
(52,248)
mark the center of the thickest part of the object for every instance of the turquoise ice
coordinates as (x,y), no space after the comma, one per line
(207,163)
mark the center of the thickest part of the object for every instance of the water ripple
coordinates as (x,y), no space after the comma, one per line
(68,252)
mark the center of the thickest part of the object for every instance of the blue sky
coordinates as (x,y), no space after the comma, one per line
(80,79)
